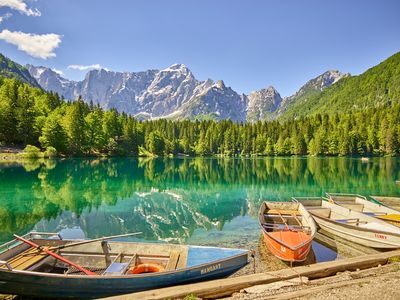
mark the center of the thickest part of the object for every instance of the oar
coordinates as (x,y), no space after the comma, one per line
(59,257)
(94,240)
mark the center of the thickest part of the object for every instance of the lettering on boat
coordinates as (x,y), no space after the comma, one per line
(380,236)
(210,269)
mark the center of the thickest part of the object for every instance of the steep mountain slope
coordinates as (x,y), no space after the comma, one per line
(262,104)
(377,86)
(216,102)
(313,87)
(170,93)
(11,69)
(175,93)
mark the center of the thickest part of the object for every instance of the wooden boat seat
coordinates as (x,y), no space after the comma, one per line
(320,211)
(352,206)
(282,226)
(392,218)
(26,259)
(283,212)
(173,261)
(285,216)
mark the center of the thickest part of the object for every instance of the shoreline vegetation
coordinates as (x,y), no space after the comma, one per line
(31,152)
(46,125)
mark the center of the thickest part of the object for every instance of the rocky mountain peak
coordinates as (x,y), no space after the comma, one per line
(220,85)
(315,85)
(174,92)
(178,68)
(262,103)
(328,78)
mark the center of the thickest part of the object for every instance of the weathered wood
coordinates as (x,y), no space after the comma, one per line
(274,286)
(182,260)
(225,287)
(393,202)
(321,288)
(173,261)
(283,212)
(26,259)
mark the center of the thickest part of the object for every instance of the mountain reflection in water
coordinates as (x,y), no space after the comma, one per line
(177,200)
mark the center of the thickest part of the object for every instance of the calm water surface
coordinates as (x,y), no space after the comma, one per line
(188,200)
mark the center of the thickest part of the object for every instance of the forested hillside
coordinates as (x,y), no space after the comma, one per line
(28,115)
(11,69)
(376,87)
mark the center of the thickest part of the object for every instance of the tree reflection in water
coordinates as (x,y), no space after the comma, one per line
(167,199)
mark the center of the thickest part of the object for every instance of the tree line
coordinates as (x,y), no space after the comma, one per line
(28,115)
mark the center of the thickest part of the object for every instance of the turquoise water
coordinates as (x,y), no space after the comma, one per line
(183,200)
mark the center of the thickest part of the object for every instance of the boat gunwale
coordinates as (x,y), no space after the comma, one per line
(330,195)
(275,239)
(361,198)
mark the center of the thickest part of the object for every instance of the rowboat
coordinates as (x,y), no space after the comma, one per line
(288,230)
(106,268)
(362,204)
(352,225)
(393,202)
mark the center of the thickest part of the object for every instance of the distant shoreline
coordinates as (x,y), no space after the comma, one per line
(19,156)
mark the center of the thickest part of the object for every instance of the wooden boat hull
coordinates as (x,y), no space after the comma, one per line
(204,263)
(285,253)
(290,245)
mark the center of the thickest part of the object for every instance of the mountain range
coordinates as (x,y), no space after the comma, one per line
(175,93)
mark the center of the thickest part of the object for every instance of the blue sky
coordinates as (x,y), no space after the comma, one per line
(249,44)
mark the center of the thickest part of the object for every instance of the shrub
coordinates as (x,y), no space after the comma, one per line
(31,151)
(50,152)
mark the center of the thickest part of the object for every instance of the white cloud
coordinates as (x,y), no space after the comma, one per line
(5,17)
(20,6)
(36,45)
(85,68)
(59,72)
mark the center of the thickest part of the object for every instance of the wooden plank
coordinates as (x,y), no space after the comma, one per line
(173,261)
(31,262)
(182,259)
(283,220)
(283,212)
(26,259)
(298,221)
(225,287)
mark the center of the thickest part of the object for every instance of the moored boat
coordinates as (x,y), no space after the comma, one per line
(352,225)
(288,229)
(104,268)
(390,201)
(370,208)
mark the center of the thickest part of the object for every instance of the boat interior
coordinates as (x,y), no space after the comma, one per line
(358,203)
(280,216)
(101,257)
(319,206)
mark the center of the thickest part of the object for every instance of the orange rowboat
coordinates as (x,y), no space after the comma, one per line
(288,229)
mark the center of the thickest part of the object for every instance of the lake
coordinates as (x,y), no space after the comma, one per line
(183,200)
